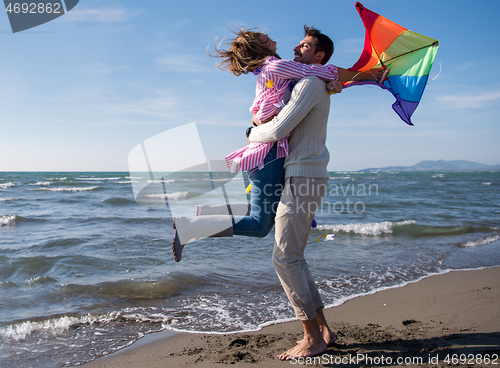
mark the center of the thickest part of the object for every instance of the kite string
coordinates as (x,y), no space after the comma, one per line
(352,79)
(440,70)
(355,75)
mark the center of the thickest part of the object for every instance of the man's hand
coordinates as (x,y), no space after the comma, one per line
(376,74)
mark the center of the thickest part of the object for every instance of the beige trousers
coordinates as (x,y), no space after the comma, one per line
(299,202)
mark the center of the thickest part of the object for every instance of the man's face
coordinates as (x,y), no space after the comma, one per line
(305,52)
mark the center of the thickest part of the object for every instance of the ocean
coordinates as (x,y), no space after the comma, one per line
(85,270)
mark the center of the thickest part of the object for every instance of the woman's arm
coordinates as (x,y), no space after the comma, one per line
(288,69)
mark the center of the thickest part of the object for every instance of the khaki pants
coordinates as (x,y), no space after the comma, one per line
(299,202)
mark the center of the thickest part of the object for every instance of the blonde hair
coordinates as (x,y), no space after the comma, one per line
(246,53)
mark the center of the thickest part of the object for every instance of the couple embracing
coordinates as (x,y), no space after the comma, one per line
(286,150)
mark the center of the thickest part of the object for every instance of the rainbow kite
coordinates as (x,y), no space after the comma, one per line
(407,56)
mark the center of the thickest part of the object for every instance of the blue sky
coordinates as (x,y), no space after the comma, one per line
(80,92)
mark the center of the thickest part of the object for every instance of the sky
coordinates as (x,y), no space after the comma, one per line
(80,92)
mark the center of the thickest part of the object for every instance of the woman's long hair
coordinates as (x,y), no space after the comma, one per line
(246,53)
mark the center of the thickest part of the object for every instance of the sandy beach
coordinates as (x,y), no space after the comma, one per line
(451,319)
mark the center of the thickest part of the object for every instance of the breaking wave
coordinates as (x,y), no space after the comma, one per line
(43,183)
(7,220)
(56,326)
(76,189)
(8,199)
(408,228)
(99,179)
(376,228)
(484,241)
(175,196)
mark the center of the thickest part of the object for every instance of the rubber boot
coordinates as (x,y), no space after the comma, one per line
(237,209)
(187,228)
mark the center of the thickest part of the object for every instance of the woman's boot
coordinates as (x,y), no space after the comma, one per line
(187,228)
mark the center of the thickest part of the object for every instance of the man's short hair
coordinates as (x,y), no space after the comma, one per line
(322,42)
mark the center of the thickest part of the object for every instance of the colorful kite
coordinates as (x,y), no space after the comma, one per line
(407,56)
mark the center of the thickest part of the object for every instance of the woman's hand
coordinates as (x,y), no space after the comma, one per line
(334,87)
(256,121)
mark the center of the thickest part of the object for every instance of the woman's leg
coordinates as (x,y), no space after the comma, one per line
(267,185)
(235,209)
(187,228)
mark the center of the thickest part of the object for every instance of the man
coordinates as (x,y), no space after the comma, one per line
(305,117)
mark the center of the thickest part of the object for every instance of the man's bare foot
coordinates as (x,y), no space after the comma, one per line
(329,337)
(304,349)
(325,331)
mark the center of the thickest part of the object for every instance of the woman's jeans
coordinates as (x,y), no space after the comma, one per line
(267,185)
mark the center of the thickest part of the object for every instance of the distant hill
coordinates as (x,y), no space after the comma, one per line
(439,165)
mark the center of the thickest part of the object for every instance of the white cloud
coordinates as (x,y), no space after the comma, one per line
(184,63)
(470,100)
(467,65)
(181,23)
(160,103)
(349,46)
(98,15)
(98,69)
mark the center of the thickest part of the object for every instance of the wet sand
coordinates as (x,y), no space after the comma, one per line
(455,315)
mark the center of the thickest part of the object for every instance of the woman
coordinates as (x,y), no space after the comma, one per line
(253,52)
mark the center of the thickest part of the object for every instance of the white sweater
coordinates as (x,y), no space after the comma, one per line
(306,118)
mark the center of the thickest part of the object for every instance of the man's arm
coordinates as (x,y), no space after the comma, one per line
(346,75)
(305,95)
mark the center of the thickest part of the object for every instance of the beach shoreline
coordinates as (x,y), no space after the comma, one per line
(454,315)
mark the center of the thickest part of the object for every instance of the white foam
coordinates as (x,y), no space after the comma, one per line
(98,178)
(8,199)
(43,183)
(337,302)
(57,326)
(222,180)
(71,189)
(33,281)
(484,241)
(374,228)
(7,185)
(162,181)
(344,299)
(176,195)
(54,326)
(7,220)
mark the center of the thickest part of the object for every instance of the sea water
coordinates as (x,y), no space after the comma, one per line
(86,271)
